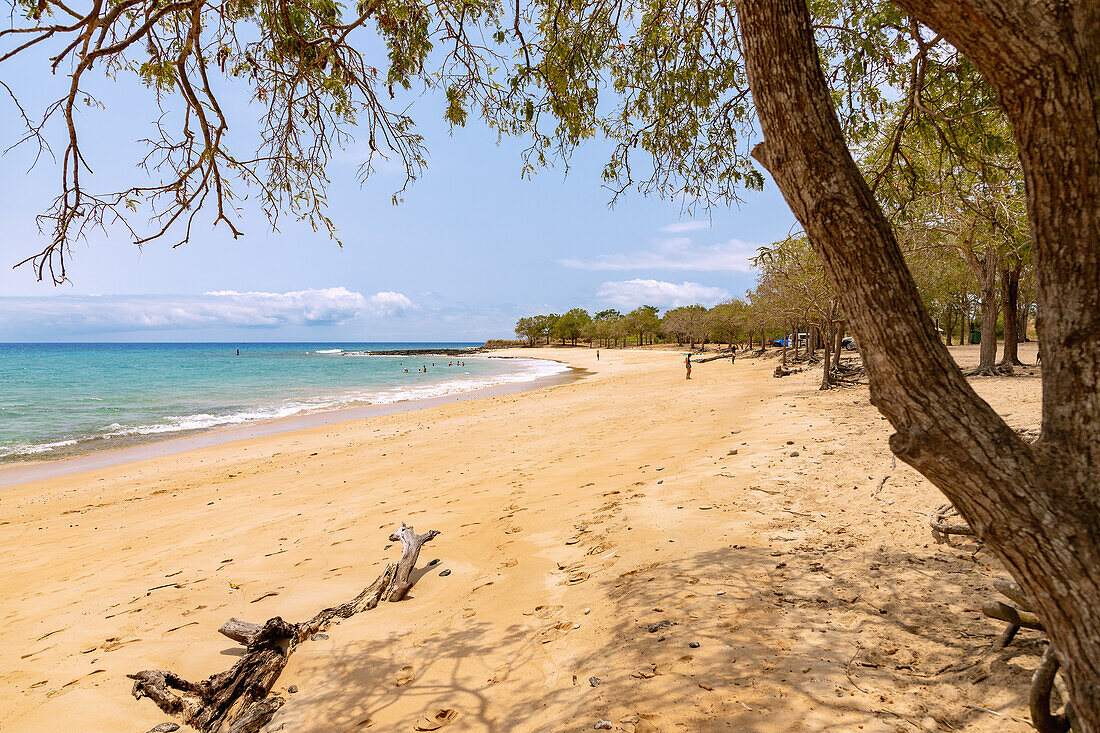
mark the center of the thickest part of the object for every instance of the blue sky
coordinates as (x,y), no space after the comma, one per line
(472,247)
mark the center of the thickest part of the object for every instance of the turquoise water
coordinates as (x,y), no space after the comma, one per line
(62,399)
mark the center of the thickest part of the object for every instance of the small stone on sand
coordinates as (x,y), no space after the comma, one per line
(594,681)
(445,573)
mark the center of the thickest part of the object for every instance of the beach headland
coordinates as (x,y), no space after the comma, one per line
(663,554)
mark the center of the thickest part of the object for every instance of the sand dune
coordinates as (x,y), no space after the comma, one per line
(662,554)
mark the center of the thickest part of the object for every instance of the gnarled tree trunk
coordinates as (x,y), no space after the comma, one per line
(1037,506)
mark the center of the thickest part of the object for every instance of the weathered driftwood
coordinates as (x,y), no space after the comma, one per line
(239,631)
(236,700)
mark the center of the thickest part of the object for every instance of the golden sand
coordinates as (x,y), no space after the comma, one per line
(574,519)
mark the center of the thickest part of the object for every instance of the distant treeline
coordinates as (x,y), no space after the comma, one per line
(730,322)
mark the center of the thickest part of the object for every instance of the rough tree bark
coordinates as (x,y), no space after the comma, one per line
(827,368)
(841,329)
(985,267)
(1037,506)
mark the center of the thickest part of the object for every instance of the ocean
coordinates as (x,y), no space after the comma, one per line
(58,400)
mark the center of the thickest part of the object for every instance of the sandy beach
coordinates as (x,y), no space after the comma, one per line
(719,554)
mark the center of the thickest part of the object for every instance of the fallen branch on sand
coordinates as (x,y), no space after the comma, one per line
(236,700)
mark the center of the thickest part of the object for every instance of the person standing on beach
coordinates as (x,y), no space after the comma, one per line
(733,356)
(687,365)
(597,354)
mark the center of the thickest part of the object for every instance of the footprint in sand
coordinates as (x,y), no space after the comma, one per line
(500,674)
(577,576)
(553,633)
(437,721)
(545,611)
(468,613)
(405,675)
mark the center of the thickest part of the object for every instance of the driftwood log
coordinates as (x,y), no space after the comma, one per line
(237,700)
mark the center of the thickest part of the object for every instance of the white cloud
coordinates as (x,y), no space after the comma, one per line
(44,317)
(389,303)
(676,253)
(685,226)
(632,293)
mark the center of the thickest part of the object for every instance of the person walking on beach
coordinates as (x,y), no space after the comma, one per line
(597,354)
(733,356)
(687,365)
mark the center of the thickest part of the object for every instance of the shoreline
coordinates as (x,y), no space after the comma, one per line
(22,472)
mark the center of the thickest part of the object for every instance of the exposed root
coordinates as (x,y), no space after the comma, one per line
(943,523)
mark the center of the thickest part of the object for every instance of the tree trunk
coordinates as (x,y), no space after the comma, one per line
(1010,289)
(1036,506)
(1023,311)
(986,269)
(841,328)
(827,368)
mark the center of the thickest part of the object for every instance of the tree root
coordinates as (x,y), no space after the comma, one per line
(236,700)
(1042,683)
(943,525)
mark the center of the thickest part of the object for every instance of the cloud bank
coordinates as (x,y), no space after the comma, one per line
(43,317)
(632,293)
(675,253)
